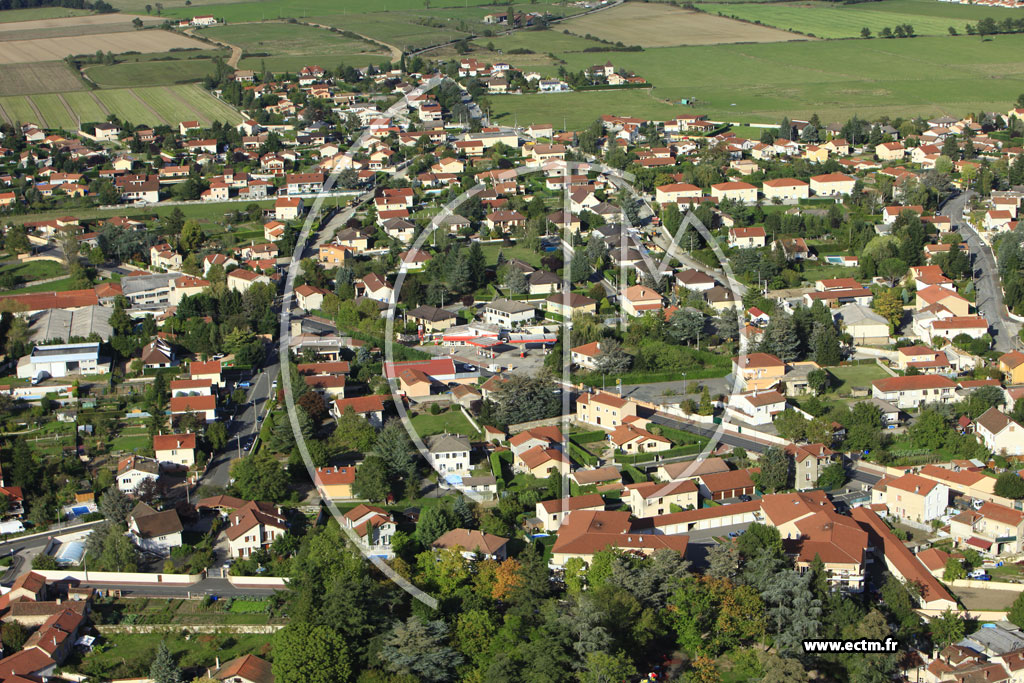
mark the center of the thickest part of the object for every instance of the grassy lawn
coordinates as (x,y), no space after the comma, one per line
(130,655)
(131,442)
(451,421)
(822,271)
(33,270)
(850,376)
(1008,572)
(491,252)
(213,212)
(55,286)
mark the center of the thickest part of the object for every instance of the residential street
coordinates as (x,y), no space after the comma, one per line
(989,293)
(244,426)
(26,548)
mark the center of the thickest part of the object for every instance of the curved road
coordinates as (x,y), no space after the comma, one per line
(989,300)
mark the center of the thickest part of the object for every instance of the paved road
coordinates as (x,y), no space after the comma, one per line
(245,426)
(728,438)
(26,548)
(989,291)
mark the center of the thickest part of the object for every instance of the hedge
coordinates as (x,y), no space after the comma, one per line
(585,457)
(635,474)
(496,466)
(589,437)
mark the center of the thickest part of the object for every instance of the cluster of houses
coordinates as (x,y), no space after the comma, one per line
(611,510)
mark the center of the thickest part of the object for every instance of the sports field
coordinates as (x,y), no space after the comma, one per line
(37,77)
(150,106)
(661,25)
(838,20)
(764,82)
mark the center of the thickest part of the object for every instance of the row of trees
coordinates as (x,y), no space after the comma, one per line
(604,621)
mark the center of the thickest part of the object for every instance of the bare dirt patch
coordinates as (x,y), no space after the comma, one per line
(38,77)
(662,25)
(50,49)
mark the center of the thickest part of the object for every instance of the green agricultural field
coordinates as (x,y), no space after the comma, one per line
(764,82)
(57,115)
(37,13)
(197,98)
(235,12)
(398,29)
(279,38)
(837,20)
(85,105)
(37,77)
(168,72)
(171,107)
(150,106)
(18,109)
(206,212)
(578,109)
(291,64)
(541,42)
(128,106)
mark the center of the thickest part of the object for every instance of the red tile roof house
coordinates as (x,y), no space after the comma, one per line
(913,390)
(178,450)
(473,543)
(245,669)
(552,513)
(744,238)
(586,532)
(374,526)
(253,526)
(901,562)
(725,485)
(371,408)
(202,406)
(208,370)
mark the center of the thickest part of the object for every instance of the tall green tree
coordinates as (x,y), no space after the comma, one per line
(420,649)
(164,669)
(304,653)
(775,470)
(260,477)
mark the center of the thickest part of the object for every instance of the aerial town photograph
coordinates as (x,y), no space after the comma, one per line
(487,341)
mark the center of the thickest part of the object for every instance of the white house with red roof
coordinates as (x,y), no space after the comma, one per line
(374,526)
(175,449)
(785,190)
(747,238)
(639,299)
(758,407)
(371,408)
(253,526)
(208,370)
